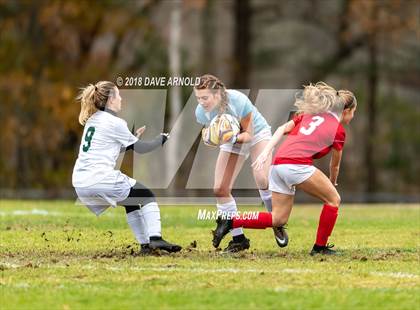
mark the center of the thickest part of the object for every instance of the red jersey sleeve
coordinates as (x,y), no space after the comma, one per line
(340,138)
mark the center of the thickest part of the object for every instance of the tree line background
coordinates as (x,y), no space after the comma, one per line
(49,49)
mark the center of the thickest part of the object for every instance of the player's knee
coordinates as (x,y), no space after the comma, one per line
(279,219)
(129,209)
(144,195)
(221,192)
(148,200)
(262,182)
(334,200)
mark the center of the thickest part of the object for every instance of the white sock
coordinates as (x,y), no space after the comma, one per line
(230,207)
(151,214)
(266,198)
(136,222)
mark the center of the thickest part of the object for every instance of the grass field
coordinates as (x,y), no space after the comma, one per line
(56,255)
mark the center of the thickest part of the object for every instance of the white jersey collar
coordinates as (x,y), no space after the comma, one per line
(335,115)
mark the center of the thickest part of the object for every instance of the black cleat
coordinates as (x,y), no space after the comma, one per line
(281,236)
(145,249)
(157,243)
(234,247)
(222,228)
(324,250)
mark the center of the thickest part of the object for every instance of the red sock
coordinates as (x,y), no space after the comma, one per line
(326,224)
(263,221)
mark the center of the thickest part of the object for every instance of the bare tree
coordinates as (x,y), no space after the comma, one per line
(174,50)
(242,43)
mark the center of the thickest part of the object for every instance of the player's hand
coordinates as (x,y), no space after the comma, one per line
(260,161)
(140,131)
(233,139)
(165,137)
(334,182)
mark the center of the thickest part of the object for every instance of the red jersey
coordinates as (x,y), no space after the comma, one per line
(312,137)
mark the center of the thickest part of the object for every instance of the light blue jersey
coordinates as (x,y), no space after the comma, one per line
(239,106)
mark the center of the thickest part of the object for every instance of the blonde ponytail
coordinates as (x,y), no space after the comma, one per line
(346,100)
(316,98)
(93,98)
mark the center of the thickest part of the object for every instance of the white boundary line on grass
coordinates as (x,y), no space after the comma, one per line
(30,212)
(212,270)
(238,270)
(50,213)
(395,274)
(174,269)
(399,275)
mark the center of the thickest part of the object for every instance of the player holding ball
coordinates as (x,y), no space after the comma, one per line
(252,137)
(316,130)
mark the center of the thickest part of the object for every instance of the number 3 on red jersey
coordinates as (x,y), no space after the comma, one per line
(316,121)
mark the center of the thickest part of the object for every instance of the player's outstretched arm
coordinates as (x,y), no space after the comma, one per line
(275,139)
(142,147)
(335,165)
